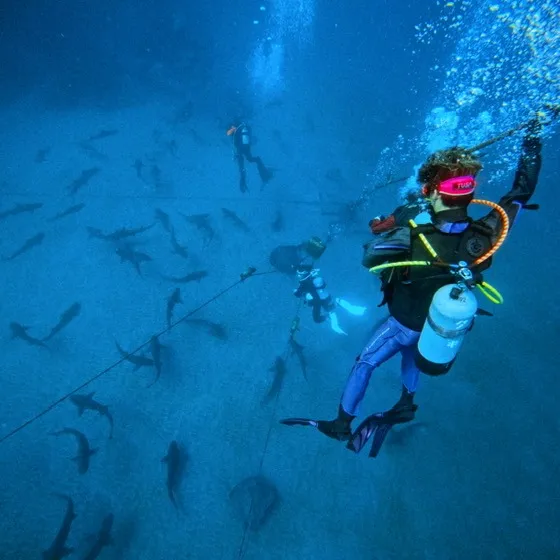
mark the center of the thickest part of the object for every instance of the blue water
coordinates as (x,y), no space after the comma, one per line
(341,99)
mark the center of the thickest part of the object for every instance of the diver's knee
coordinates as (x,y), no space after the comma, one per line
(362,370)
(367,363)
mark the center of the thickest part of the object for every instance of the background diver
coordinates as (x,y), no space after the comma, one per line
(448,183)
(242,138)
(312,288)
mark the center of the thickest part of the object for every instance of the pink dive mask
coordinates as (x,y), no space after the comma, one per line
(457,186)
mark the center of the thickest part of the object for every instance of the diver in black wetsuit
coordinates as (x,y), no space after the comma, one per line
(312,289)
(241,137)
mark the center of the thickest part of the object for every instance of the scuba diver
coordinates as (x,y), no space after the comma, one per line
(241,137)
(432,306)
(312,288)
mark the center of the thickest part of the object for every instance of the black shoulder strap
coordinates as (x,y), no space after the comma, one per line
(482,229)
(423,228)
(473,226)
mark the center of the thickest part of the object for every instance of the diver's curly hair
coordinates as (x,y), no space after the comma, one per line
(444,164)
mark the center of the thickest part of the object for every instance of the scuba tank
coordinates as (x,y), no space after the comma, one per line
(450,317)
(245,136)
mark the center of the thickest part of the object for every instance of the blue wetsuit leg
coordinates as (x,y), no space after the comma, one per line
(389,339)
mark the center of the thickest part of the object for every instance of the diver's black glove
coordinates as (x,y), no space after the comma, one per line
(546,116)
(534,129)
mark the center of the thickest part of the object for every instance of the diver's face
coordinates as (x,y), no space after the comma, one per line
(432,198)
(436,202)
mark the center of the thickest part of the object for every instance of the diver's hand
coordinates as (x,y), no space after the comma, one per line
(543,117)
(381,224)
(375,222)
(534,126)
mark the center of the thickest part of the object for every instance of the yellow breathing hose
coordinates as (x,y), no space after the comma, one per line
(380,267)
(503,234)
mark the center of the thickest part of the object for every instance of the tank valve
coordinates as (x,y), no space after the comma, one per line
(455,292)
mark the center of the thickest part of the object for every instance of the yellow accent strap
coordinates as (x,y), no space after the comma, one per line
(422,237)
(379,267)
(491,293)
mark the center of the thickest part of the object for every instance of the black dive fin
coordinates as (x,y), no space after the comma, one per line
(400,414)
(299,422)
(379,438)
(364,432)
(484,313)
(378,426)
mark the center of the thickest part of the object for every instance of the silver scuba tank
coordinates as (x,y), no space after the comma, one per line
(245,137)
(450,317)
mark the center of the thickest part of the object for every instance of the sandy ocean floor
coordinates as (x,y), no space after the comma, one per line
(456,484)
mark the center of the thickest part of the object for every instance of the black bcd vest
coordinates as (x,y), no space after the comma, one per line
(409,290)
